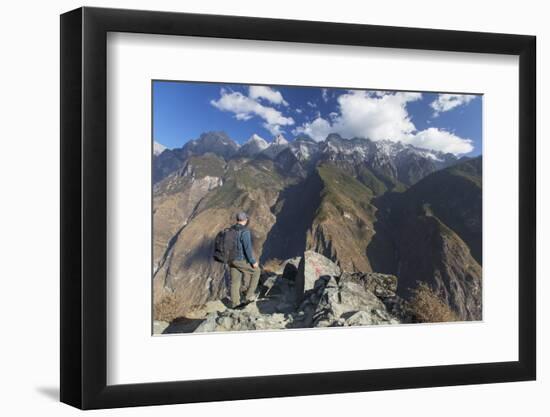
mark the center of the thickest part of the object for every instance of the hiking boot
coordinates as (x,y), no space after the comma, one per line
(252,299)
(241,306)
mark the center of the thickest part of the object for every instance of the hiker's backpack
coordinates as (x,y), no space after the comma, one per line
(225,245)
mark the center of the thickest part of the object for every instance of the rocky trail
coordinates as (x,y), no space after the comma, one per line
(304,292)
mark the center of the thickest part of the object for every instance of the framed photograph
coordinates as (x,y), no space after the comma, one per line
(257,208)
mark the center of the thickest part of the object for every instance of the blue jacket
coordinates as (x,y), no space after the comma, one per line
(244,245)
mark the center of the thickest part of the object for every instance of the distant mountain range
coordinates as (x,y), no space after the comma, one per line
(369,206)
(393,161)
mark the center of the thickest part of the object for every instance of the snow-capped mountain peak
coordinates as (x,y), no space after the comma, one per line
(158,148)
(258,141)
(280,140)
(388,147)
(278,145)
(254,145)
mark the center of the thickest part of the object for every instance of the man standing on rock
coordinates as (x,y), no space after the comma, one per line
(244,268)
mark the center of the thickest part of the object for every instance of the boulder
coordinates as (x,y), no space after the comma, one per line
(313,266)
(348,303)
(359,318)
(381,285)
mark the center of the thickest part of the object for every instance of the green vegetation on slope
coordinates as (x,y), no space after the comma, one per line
(208,165)
(472,170)
(367,178)
(343,192)
(391,184)
(256,174)
(228,195)
(241,179)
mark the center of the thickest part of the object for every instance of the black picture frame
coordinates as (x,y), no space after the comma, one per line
(84,207)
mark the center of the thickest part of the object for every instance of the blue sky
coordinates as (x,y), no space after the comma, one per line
(445,122)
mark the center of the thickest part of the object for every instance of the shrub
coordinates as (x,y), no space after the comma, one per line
(167,309)
(427,306)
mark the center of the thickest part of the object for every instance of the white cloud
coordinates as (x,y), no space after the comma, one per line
(375,116)
(324,94)
(381,115)
(299,111)
(245,108)
(318,129)
(446,102)
(266,93)
(311,104)
(441,140)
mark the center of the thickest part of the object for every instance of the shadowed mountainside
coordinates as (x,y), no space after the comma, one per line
(432,233)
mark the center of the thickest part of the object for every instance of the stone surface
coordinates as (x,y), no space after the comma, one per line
(312,267)
(159,326)
(381,285)
(242,320)
(332,299)
(345,302)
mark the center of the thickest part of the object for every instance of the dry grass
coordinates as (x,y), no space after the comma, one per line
(426,306)
(272,266)
(167,309)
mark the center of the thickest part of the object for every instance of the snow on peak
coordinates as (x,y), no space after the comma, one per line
(158,148)
(280,140)
(435,158)
(428,154)
(388,147)
(258,141)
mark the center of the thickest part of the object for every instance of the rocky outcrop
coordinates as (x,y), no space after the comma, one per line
(312,267)
(347,302)
(381,285)
(249,319)
(332,299)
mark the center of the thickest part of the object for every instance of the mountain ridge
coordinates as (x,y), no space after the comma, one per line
(393,162)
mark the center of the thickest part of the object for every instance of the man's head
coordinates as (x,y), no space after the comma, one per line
(242,218)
